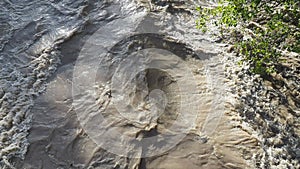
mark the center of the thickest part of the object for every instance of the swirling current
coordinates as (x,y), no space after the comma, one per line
(171,96)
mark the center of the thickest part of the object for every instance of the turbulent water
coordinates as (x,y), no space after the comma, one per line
(64,62)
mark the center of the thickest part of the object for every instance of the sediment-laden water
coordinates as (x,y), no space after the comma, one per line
(64,63)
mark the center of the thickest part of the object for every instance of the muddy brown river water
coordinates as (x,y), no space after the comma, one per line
(118,84)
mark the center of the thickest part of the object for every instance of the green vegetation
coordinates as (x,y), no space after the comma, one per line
(261,30)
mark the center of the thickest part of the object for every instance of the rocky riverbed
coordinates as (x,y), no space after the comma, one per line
(269,106)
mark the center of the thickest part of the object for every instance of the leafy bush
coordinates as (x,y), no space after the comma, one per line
(261,30)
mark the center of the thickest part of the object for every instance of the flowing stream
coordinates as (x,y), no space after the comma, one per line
(116,84)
